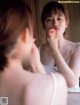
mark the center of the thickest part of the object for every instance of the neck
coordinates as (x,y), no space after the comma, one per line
(14,64)
(61,42)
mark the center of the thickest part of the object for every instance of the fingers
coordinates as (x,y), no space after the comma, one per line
(51,32)
(50,38)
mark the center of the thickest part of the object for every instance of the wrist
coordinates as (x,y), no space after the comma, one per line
(55,51)
(38,67)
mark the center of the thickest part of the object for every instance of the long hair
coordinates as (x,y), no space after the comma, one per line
(15,16)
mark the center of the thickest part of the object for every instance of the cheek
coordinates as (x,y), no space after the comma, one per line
(63,26)
(48,26)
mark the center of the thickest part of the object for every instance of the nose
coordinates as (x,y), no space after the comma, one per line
(54,23)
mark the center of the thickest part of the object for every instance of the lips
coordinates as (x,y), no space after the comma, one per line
(53,31)
(56,28)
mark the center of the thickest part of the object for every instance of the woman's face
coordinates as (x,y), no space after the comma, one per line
(56,22)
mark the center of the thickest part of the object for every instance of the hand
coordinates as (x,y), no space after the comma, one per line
(35,60)
(34,55)
(52,39)
(53,33)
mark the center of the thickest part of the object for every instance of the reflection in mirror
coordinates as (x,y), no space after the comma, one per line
(61,53)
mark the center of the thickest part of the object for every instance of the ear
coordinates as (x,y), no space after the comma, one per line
(24,35)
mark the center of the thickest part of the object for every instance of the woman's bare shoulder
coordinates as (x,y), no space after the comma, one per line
(75,47)
(33,93)
(41,83)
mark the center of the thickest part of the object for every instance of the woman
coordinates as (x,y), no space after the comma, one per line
(58,53)
(16,44)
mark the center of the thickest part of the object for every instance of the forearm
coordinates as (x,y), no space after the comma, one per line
(64,69)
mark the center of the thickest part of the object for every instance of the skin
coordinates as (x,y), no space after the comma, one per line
(23,87)
(58,49)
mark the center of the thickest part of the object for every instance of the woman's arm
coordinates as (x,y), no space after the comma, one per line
(35,62)
(71,72)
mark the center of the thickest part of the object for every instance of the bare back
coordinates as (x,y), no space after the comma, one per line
(24,88)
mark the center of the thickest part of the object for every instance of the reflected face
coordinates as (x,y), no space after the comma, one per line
(56,22)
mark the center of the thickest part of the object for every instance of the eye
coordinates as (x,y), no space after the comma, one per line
(48,20)
(60,18)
